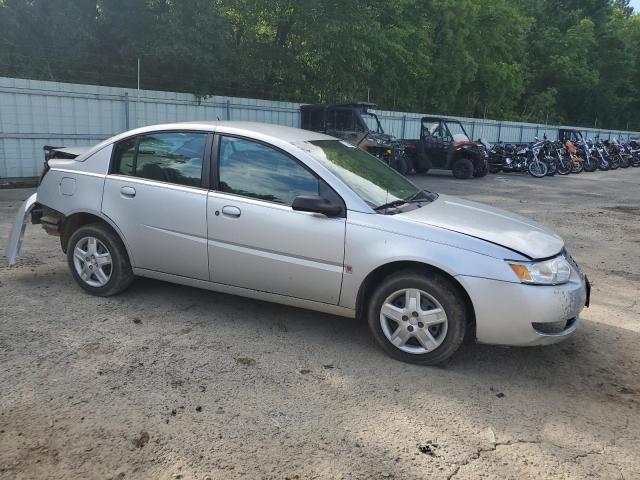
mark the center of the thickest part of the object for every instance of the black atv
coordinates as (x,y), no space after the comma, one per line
(445,145)
(354,123)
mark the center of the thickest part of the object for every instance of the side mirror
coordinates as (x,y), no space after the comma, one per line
(316,204)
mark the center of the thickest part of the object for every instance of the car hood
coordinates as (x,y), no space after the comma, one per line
(487,223)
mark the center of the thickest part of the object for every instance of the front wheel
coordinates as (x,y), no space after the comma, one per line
(564,167)
(417,317)
(552,166)
(98,260)
(591,164)
(481,171)
(624,162)
(462,169)
(401,165)
(537,169)
(577,167)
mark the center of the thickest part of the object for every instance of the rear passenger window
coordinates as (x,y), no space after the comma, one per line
(173,157)
(125,153)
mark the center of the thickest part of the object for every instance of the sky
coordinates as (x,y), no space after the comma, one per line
(636,5)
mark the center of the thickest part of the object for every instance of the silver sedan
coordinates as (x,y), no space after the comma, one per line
(300,218)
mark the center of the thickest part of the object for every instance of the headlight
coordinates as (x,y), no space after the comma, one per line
(548,272)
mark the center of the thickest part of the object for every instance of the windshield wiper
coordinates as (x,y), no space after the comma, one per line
(395,203)
(412,199)
(426,197)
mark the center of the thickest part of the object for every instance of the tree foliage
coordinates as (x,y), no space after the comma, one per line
(561,61)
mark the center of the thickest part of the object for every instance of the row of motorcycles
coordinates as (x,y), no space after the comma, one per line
(546,157)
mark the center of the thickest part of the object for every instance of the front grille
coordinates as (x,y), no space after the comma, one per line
(553,328)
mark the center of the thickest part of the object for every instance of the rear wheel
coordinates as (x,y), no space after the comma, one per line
(417,318)
(98,260)
(462,169)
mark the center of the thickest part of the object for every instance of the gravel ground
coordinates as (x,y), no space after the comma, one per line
(168,382)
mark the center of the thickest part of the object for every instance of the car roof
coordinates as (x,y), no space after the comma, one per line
(280,132)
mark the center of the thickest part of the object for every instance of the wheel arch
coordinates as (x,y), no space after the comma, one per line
(379,273)
(79,219)
(455,155)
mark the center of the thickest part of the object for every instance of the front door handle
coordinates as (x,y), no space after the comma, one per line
(128,192)
(231,211)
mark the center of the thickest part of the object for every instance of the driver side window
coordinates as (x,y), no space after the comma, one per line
(254,170)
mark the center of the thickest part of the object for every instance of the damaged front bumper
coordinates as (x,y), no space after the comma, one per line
(516,314)
(17,231)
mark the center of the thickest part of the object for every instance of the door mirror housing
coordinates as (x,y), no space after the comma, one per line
(316,204)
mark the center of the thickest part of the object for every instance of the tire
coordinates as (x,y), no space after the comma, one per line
(537,169)
(577,167)
(481,171)
(564,168)
(97,243)
(603,165)
(624,162)
(590,164)
(462,169)
(495,169)
(614,163)
(436,292)
(552,167)
(401,165)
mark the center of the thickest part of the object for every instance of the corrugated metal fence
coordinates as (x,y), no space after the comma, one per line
(35,113)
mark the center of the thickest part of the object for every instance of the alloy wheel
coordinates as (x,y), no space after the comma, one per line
(92,261)
(413,321)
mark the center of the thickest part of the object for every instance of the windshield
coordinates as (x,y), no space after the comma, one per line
(370,178)
(457,132)
(372,122)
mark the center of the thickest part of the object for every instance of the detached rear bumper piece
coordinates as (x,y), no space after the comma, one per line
(17,231)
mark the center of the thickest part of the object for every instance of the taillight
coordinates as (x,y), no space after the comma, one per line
(43,172)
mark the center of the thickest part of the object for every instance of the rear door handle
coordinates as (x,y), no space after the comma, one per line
(231,211)
(128,192)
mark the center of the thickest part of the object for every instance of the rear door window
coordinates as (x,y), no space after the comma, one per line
(172,157)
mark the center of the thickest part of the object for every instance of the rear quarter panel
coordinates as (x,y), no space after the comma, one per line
(71,187)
